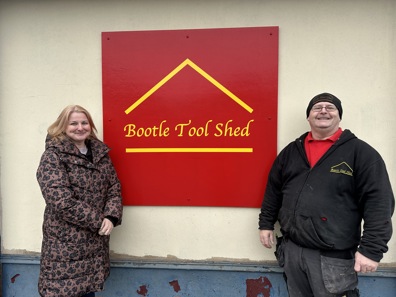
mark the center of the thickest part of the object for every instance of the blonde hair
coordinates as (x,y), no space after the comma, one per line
(58,128)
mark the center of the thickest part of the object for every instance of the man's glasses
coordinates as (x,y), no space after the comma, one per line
(329,108)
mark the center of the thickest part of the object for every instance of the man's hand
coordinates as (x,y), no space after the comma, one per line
(267,238)
(364,264)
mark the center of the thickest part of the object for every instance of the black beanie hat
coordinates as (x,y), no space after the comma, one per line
(325,97)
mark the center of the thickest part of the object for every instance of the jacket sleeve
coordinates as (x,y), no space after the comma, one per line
(113,207)
(376,203)
(59,198)
(272,198)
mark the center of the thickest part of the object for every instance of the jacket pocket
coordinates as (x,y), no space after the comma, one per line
(304,233)
(338,274)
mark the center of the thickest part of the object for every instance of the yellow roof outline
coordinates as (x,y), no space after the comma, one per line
(200,71)
(342,163)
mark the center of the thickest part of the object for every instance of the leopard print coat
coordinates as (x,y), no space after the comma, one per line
(78,194)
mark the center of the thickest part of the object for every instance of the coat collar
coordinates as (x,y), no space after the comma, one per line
(67,147)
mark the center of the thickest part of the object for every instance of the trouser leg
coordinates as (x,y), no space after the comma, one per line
(303,272)
(297,280)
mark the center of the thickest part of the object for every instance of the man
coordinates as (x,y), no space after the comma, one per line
(320,188)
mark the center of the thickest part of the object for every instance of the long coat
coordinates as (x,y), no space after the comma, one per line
(78,194)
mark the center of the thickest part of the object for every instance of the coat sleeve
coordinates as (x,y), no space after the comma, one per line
(55,186)
(376,203)
(113,206)
(272,198)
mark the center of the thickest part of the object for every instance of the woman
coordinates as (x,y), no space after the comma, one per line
(83,204)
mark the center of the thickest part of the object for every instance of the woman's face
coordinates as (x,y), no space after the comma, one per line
(78,128)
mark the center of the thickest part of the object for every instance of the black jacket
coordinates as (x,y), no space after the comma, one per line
(323,207)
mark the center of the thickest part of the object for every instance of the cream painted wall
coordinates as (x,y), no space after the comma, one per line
(50,56)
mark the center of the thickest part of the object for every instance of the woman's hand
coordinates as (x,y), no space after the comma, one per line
(106,228)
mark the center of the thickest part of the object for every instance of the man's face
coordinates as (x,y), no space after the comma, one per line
(324,116)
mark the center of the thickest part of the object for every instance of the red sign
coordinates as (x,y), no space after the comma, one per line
(191,115)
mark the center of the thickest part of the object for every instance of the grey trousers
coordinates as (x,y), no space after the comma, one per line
(304,273)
